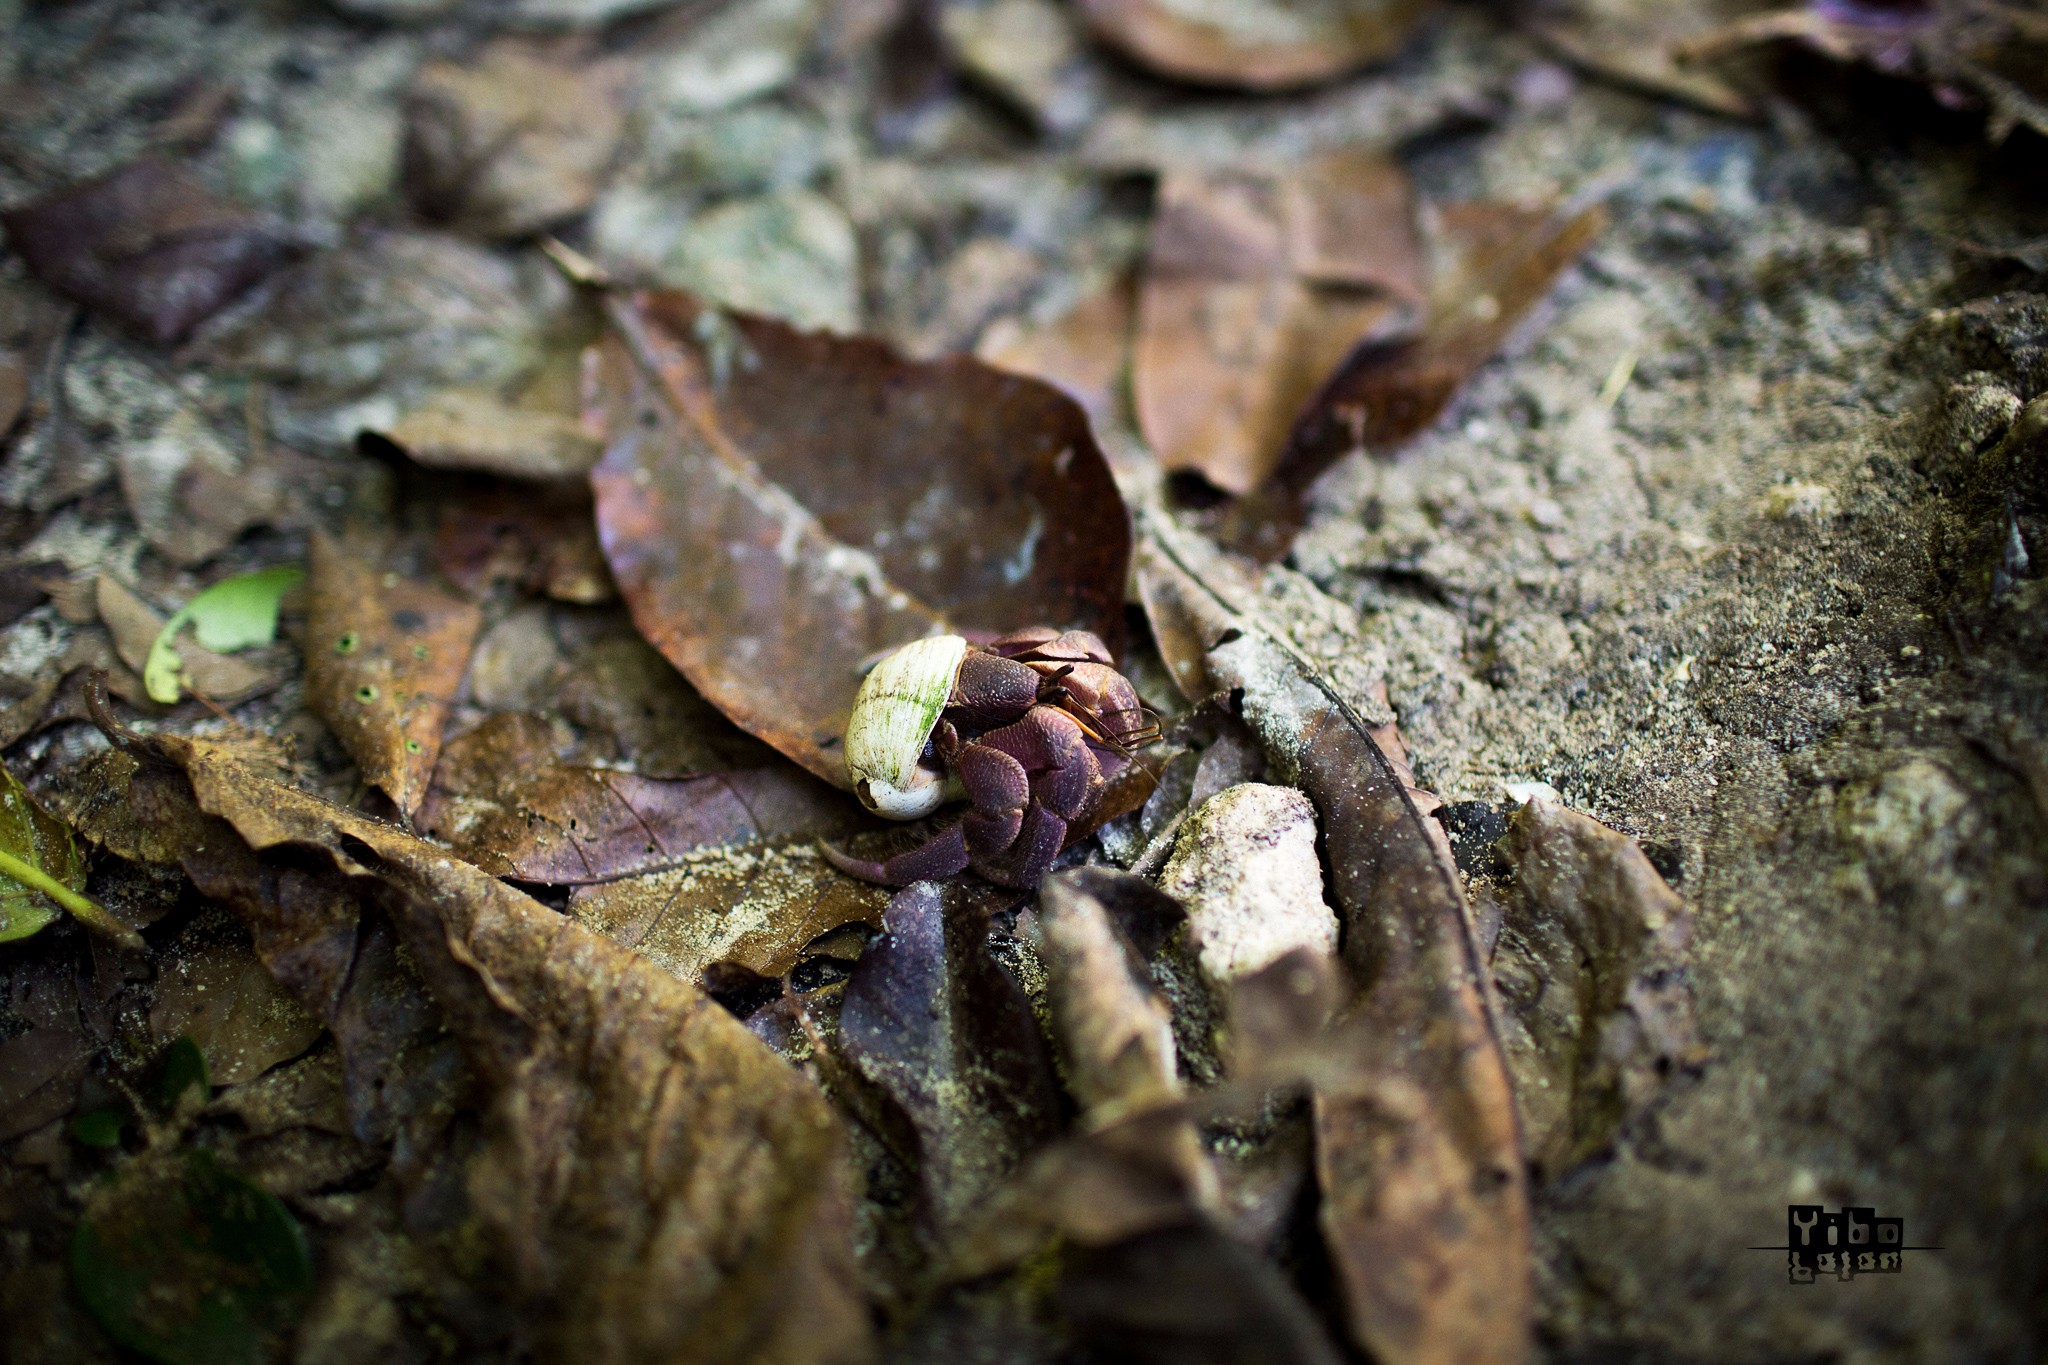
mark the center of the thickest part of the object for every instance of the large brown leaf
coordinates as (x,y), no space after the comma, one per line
(1256,44)
(651,1183)
(780,507)
(1425,1202)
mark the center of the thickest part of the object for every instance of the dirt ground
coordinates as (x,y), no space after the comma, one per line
(1736,548)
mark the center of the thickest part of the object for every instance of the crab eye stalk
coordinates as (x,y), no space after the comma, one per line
(894,713)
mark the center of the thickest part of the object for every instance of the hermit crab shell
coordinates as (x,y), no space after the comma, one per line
(893,714)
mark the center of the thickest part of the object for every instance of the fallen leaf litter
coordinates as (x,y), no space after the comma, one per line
(574,1044)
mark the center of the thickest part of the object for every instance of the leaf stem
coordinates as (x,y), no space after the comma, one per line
(84,909)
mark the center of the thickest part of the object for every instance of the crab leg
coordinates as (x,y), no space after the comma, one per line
(939,856)
(1027,860)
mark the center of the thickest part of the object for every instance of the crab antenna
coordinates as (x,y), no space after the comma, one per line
(1093,726)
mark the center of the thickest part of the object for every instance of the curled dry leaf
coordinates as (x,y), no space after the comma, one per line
(508,142)
(1255,44)
(504,802)
(780,509)
(1115,1032)
(1501,261)
(1591,966)
(1425,1205)
(384,657)
(1258,284)
(649,1182)
(147,245)
(932,1021)
(756,908)
(1134,1164)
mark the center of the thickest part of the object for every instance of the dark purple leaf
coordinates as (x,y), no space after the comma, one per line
(934,1022)
(147,245)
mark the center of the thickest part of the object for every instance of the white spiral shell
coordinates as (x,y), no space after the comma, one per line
(893,715)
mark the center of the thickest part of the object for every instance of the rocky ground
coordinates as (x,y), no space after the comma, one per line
(1735,547)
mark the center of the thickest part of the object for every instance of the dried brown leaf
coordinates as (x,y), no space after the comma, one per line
(1084,353)
(467,428)
(509,142)
(1094,1187)
(1591,964)
(1502,260)
(1257,286)
(1115,1032)
(1425,1205)
(757,907)
(649,1181)
(212,989)
(146,245)
(503,801)
(1640,44)
(384,657)
(779,508)
(1255,44)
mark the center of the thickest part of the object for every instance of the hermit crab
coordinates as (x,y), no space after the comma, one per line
(1028,728)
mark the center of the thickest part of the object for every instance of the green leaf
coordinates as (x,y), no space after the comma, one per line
(184,1069)
(189,1263)
(41,871)
(235,613)
(99,1127)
